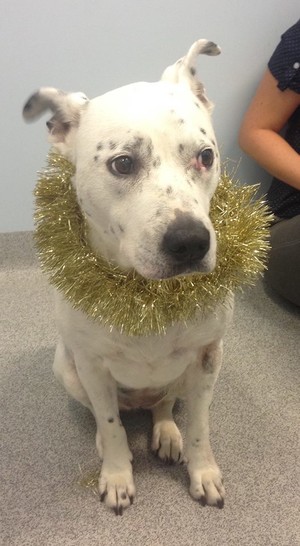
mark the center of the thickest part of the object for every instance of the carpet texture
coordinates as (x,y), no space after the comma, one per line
(47,439)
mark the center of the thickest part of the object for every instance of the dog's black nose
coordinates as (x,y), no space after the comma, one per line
(186,240)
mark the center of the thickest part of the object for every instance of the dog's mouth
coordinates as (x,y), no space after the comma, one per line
(169,271)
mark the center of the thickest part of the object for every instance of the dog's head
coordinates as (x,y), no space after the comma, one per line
(147,165)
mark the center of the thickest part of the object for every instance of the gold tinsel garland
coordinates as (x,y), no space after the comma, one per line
(127,301)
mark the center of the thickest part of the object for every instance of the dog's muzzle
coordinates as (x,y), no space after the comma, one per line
(186,242)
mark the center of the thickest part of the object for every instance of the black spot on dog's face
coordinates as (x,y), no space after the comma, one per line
(181,121)
(192,71)
(149,150)
(99,146)
(169,190)
(197,104)
(203,131)
(96,157)
(157,162)
(181,148)
(138,141)
(112,145)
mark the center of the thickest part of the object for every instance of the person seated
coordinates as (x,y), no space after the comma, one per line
(274,108)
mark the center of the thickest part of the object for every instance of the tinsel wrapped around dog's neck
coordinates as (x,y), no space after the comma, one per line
(125,300)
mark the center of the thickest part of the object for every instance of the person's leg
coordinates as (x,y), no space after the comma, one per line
(283,273)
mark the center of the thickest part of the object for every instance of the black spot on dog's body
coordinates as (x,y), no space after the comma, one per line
(195,201)
(96,157)
(208,363)
(197,104)
(110,420)
(121,228)
(112,230)
(192,71)
(181,121)
(158,213)
(99,146)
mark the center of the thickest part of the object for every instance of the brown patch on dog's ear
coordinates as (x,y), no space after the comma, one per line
(66,108)
(58,129)
(184,70)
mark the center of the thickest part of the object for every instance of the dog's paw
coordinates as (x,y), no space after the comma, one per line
(167,442)
(207,486)
(116,488)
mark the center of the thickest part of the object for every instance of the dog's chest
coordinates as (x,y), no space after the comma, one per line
(151,362)
(148,366)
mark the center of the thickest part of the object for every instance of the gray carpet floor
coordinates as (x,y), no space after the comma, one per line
(47,440)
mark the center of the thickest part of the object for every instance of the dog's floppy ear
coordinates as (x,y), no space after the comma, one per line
(65,107)
(184,70)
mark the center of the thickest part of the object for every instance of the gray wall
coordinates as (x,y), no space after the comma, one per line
(93,46)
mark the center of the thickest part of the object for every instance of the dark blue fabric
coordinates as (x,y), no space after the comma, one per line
(284,200)
(285,61)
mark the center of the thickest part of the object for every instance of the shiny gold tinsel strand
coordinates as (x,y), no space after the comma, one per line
(144,307)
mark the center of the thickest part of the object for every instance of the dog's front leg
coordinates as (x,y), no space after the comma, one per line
(206,480)
(116,486)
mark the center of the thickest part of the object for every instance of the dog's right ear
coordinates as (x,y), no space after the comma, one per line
(66,109)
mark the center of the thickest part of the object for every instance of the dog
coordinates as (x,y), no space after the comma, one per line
(147,165)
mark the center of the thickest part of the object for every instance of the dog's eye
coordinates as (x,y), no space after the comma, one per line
(206,157)
(122,165)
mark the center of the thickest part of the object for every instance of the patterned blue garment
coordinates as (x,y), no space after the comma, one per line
(284,200)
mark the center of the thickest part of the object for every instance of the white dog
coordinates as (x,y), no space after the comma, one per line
(147,165)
